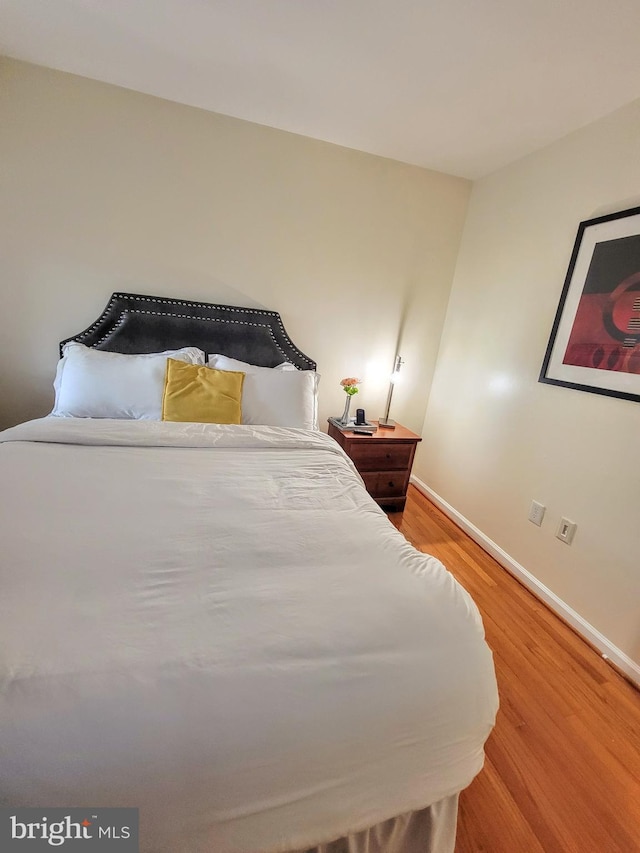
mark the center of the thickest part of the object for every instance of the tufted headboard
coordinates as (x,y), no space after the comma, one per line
(132,323)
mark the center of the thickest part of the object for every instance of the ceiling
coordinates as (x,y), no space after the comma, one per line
(460,86)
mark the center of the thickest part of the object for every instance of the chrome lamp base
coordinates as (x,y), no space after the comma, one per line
(386,423)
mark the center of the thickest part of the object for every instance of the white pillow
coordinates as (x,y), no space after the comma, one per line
(92,383)
(223,362)
(282,398)
(275,396)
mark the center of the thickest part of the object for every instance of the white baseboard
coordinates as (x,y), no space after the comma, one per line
(608,651)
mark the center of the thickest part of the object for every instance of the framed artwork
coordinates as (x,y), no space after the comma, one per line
(595,340)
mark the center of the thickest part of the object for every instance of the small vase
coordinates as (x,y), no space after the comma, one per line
(344,420)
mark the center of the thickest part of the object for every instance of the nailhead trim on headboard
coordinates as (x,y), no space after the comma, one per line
(124,314)
(121,305)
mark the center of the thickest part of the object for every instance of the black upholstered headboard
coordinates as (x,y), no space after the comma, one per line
(136,324)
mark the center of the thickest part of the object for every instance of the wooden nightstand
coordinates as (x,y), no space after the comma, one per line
(383,459)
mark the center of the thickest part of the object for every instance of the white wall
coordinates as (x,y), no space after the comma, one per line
(494,438)
(104,189)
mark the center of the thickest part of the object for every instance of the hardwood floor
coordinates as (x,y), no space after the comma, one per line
(562,770)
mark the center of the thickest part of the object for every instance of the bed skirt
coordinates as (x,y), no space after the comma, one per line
(430,830)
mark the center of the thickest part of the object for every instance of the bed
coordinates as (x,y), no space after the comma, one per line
(215,623)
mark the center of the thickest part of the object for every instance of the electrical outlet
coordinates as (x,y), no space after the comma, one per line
(566,530)
(536,513)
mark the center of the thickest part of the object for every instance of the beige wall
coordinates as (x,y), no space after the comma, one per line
(494,438)
(105,189)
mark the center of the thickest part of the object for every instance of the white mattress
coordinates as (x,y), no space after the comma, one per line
(216,624)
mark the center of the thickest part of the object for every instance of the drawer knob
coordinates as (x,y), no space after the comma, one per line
(391,484)
(388,456)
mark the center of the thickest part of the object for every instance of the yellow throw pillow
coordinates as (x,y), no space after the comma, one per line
(199,394)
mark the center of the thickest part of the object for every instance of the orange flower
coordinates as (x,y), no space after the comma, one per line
(350,385)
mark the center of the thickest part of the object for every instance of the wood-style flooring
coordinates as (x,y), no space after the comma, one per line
(562,770)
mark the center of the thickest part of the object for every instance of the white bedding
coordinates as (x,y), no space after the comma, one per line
(216,624)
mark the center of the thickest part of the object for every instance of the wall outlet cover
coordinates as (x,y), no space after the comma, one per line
(536,513)
(566,530)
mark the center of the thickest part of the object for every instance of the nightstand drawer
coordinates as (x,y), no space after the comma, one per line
(378,456)
(383,484)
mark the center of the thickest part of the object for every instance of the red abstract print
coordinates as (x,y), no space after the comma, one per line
(606,330)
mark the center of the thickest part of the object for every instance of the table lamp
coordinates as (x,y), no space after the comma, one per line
(386,422)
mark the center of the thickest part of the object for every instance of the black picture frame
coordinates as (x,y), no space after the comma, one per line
(594,344)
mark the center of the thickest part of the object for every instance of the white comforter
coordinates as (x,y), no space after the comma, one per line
(217,625)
